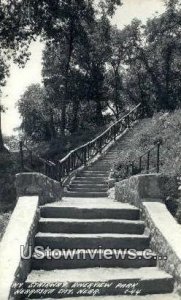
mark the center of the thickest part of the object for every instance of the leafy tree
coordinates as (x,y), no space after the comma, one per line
(3,74)
(37,117)
(22,21)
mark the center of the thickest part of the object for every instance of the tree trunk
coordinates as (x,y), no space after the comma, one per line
(70,41)
(168,61)
(52,126)
(74,125)
(158,88)
(99,116)
(1,136)
(116,92)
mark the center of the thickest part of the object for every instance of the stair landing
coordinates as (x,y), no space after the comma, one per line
(101,202)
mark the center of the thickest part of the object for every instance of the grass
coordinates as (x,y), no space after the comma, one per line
(4,219)
(163,127)
(7,190)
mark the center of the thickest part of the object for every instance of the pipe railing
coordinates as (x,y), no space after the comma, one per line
(146,163)
(81,155)
(29,161)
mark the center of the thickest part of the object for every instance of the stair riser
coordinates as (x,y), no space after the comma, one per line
(153,286)
(92,243)
(94,172)
(88,185)
(73,227)
(89,181)
(101,168)
(68,212)
(92,176)
(89,189)
(53,264)
(85,227)
(85,194)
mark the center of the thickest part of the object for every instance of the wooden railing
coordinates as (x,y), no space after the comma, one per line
(146,163)
(31,162)
(81,155)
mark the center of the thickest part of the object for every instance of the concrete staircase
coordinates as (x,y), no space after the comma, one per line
(87,220)
(92,181)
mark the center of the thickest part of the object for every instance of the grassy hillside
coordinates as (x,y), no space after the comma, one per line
(164,127)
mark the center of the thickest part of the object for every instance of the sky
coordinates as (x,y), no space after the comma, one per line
(21,78)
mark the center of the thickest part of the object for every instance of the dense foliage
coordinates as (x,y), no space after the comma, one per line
(91,68)
(23,21)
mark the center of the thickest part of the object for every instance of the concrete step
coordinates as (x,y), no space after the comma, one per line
(100,168)
(85,194)
(88,185)
(87,189)
(110,157)
(92,241)
(170,296)
(87,181)
(90,179)
(90,213)
(91,259)
(103,281)
(93,176)
(65,225)
(94,172)
(103,164)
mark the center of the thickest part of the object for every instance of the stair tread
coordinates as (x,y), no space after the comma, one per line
(71,220)
(172,296)
(91,177)
(91,204)
(97,274)
(92,235)
(87,251)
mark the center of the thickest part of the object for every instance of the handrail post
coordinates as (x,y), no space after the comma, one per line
(128,121)
(85,156)
(100,145)
(127,170)
(148,162)
(158,158)
(21,155)
(114,132)
(140,163)
(59,172)
(31,158)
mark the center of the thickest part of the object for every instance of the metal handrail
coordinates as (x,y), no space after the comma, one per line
(137,166)
(83,154)
(101,135)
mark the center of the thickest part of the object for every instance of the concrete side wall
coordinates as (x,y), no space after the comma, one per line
(30,184)
(150,187)
(148,193)
(165,237)
(20,231)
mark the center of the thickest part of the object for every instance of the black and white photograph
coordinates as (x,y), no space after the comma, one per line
(90,149)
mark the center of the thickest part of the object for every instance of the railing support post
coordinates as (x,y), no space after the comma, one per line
(128,121)
(21,155)
(114,132)
(148,162)
(158,158)
(85,156)
(100,145)
(140,164)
